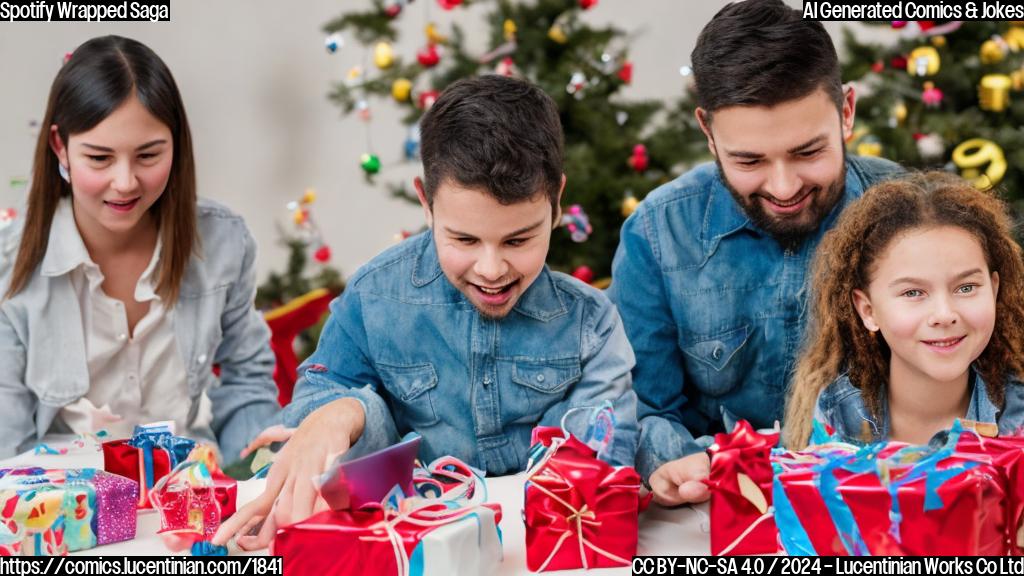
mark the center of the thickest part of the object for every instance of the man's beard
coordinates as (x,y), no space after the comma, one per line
(790,231)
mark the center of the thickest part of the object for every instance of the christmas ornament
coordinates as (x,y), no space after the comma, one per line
(930,95)
(383,55)
(1014,38)
(898,62)
(621,117)
(393,10)
(869,146)
(363,107)
(557,34)
(588,4)
(354,76)
(322,254)
(899,113)
(509,29)
(685,71)
(583,273)
(427,98)
(930,146)
(994,92)
(7,216)
(334,42)
(577,222)
(992,52)
(433,36)
(639,160)
(448,4)
(939,41)
(1017,80)
(411,147)
(923,61)
(974,154)
(507,67)
(878,66)
(300,216)
(897,24)
(428,56)
(309,196)
(626,72)
(401,89)
(629,204)
(577,82)
(370,163)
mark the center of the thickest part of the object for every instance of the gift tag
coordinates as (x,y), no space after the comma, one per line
(750,490)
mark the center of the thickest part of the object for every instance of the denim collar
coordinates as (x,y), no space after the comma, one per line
(541,301)
(723,216)
(980,409)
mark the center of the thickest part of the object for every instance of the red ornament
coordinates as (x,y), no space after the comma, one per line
(428,56)
(898,62)
(877,67)
(322,254)
(931,96)
(584,273)
(626,72)
(393,11)
(67,56)
(448,4)
(899,24)
(588,4)
(428,98)
(925,25)
(639,160)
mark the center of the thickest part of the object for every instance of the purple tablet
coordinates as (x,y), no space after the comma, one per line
(371,478)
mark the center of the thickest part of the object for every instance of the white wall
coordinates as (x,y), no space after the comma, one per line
(254,76)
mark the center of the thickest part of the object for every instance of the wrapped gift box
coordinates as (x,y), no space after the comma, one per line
(436,539)
(51,512)
(580,512)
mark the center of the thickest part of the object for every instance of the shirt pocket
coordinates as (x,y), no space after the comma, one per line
(197,326)
(413,387)
(538,384)
(720,362)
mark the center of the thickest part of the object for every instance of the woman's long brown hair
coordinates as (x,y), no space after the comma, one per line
(836,338)
(99,77)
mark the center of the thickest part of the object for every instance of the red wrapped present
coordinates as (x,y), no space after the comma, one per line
(580,512)
(1008,453)
(193,500)
(742,520)
(424,540)
(893,499)
(149,455)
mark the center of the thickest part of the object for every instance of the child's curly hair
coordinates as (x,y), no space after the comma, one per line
(836,339)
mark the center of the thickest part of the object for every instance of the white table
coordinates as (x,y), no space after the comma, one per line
(663,532)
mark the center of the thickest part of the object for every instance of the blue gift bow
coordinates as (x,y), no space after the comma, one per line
(794,536)
(146,439)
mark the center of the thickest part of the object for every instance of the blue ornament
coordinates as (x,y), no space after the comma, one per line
(412,143)
(334,42)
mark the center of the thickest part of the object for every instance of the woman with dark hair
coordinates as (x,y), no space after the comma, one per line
(122,290)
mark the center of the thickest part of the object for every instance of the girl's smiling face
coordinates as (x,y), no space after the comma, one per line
(933,298)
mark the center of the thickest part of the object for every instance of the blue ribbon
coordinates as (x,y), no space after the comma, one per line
(147,439)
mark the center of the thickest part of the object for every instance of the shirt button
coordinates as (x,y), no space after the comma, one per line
(201,359)
(717,353)
(122,336)
(131,377)
(540,377)
(487,380)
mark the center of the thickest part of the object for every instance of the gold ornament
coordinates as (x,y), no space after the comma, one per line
(869,148)
(433,36)
(1014,38)
(992,52)
(309,197)
(510,30)
(977,153)
(401,89)
(1017,80)
(383,55)
(557,34)
(939,41)
(994,92)
(629,204)
(899,112)
(923,61)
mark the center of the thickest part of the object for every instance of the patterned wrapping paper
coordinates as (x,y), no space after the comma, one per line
(580,512)
(52,512)
(887,498)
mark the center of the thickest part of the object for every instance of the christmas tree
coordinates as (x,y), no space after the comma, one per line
(616,151)
(942,96)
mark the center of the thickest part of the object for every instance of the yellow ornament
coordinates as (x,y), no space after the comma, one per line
(629,204)
(383,55)
(978,154)
(433,36)
(354,73)
(1017,80)
(1014,38)
(309,197)
(994,92)
(991,52)
(939,41)
(923,61)
(899,112)
(299,216)
(557,34)
(510,30)
(869,148)
(401,89)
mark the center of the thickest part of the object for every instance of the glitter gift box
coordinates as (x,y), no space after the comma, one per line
(51,512)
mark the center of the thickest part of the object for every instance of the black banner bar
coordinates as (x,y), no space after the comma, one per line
(85,10)
(820,566)
(149,565)
(880,10)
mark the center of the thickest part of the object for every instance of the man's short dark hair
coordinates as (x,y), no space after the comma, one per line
(494,134)
(763,53)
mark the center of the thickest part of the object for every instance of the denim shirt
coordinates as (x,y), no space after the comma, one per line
(407,344)
(841,406)
(43,363)
(714,308)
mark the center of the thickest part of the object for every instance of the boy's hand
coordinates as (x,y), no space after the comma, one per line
(290,495)
(681,481)
(277,433)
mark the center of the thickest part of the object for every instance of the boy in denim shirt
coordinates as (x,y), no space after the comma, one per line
(461,333)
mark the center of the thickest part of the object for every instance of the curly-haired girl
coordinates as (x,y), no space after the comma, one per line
(918,317)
